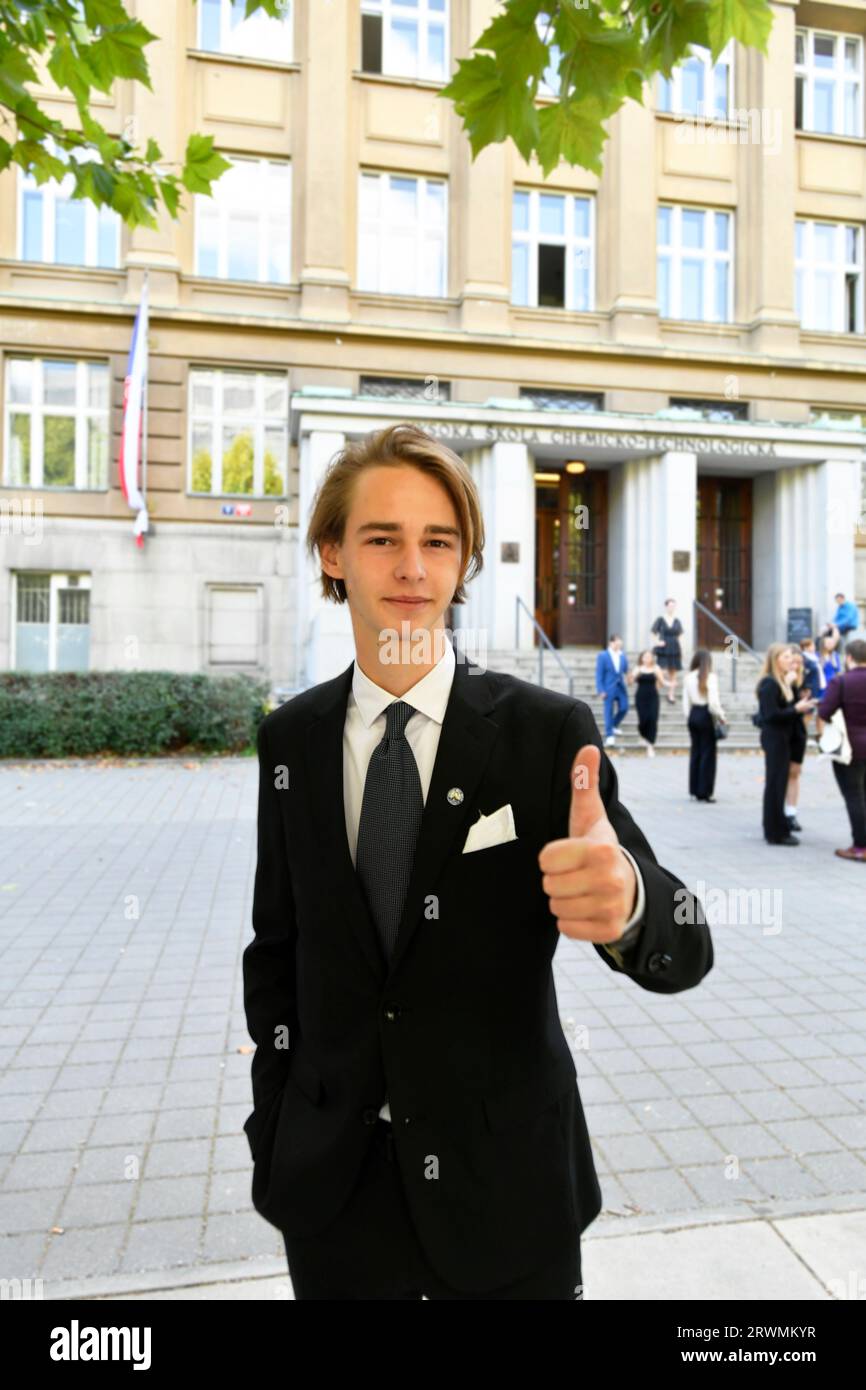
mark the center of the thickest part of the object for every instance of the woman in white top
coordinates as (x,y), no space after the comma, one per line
(702,707)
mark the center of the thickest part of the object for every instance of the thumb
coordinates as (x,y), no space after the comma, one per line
(587,808)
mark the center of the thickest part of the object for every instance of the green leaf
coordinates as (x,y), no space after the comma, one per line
(748,21)
(202,164)
(572,131)
(117,53)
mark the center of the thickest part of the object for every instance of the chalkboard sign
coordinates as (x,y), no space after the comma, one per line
(799,624)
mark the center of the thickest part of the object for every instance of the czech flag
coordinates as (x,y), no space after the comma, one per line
(134,388)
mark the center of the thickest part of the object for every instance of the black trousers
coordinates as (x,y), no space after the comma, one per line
(851,780)
(371,1251)
(702,759)
(776,744)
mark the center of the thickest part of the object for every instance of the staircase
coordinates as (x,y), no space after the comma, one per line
(673,734)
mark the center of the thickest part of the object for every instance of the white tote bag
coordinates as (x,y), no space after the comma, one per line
(834,739)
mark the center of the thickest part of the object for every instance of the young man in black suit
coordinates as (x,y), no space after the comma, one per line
(426,830)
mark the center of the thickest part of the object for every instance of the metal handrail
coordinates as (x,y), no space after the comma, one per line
(545,641)
(738,640)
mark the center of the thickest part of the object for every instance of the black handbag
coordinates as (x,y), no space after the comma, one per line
(720,728)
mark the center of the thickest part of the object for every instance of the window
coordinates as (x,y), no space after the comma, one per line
(828,83)
(223,29)
(549,84)
(845,419)
(554,399)
(235,625)
(697,86)
(552,249)
(239,432)
(52,622)
(720,411)
(405,38)
(402,234)
(53,226)
(828,259)
(405,388)
(694,265)
(243,231)
(56,423)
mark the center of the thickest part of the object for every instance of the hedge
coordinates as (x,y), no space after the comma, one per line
(67,714)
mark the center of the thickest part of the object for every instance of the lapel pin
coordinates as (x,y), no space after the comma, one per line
(455,796)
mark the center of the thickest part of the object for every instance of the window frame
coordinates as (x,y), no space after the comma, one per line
(57,579)
(671,88)
(219,417)
(807,73)
(55,191)
(422,232)
(36,410)
(711,257)
(221,209)
(226,31)
(426,18)
(805,290)
(569,239)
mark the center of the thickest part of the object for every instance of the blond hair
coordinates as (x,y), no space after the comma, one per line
(771,668)
(395,447)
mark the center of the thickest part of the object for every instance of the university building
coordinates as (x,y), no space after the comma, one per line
(657,376)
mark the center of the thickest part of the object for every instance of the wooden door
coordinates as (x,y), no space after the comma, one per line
(583,559)
(724,558)
(547,528)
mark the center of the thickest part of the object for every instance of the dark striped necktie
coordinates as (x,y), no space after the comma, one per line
(390,821)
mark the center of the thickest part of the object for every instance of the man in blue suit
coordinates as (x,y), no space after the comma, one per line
(610,668)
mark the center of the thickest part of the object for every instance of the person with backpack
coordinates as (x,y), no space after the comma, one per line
(777,712)
(847,692)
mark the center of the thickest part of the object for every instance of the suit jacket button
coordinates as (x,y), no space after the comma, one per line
(659,960)
(392,1012)
(370,1115)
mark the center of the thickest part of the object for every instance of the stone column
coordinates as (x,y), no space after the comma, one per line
(503,475)
(325,639)
(652,513)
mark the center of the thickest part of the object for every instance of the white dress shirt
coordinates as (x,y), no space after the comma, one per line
(364,730)
(616,658)
(693,696)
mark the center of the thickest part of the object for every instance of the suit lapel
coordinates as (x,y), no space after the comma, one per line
(465,744)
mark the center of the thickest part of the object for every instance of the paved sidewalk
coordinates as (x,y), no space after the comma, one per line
(729,1117)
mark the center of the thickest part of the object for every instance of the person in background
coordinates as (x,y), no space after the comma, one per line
(814,676)
(848,693)
(827,653)
(702,706)
(667,630)
(650,680)
(796,678)
(778,710)
(846,617)
(610,669)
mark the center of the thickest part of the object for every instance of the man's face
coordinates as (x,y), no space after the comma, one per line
(401,542)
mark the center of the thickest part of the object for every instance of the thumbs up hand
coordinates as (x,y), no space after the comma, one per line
(591,884)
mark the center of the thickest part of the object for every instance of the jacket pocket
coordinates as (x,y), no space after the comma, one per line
(307,1079)
(530,1097)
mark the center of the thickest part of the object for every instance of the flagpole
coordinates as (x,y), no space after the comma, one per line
(144,402)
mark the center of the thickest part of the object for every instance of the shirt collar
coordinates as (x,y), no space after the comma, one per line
(429,695)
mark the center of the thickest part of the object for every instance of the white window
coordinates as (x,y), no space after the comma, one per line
(828,260)
(222,28)
(238,432)
(243,230)
(695,263)
(402,234)
(405,38)
(828,82)
(235,625)
(52,226)
(56,423)
(552,241)
(52,622)
(697,86)
(550,83)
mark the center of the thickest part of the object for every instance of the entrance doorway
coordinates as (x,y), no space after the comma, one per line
(571,559)
(724,557)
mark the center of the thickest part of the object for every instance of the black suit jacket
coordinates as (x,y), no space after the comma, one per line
(462,1032)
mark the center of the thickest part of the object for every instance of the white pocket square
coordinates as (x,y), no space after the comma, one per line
(495,829)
